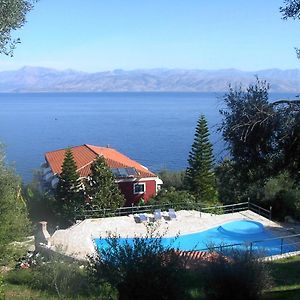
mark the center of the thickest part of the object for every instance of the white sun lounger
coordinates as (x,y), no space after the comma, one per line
(140,218)
(157,215)
(172,214)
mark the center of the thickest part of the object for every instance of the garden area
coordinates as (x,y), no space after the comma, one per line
(27,284)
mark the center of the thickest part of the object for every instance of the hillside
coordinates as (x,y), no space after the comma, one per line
(38,79)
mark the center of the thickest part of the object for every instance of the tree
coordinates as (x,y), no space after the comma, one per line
(69,190)
(291,10)
(249,127)
(12,16)
(14,223)
(263,137)
(199,177)
(172,179)
(173,197)
(288,138)
(229,184)
(101,186)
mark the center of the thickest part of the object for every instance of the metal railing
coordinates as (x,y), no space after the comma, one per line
(290,246)
(95,212)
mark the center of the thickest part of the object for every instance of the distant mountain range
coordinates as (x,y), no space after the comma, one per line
(38,79)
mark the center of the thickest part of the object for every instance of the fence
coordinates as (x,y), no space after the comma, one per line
(95,212)
(287,244)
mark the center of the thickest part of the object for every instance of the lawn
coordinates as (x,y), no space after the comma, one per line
(285,272)
(13,291)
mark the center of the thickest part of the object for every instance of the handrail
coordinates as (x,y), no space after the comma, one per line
(227,205)
(250,244)
(121,211)
(255,205)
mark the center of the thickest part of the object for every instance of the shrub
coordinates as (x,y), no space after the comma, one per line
(20,277)
(2,295)
(172,179)
(143,269)
(173,197)
(282,193)
(65,279)
(238,275)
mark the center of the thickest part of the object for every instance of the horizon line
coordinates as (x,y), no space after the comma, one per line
(144,69)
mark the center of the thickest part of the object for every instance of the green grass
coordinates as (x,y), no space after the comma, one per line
(13,291)
(285,272)
(23,292)
(286,275)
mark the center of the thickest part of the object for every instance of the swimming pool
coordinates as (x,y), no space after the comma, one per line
(236,232)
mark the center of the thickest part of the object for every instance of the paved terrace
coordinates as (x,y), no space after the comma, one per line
(76,241)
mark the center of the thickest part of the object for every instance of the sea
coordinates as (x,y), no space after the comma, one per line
(156,129)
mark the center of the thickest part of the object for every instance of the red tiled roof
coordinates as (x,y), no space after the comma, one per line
(84,155)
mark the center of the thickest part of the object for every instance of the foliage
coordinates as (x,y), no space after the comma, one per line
(288,140)
(249,128)
(12,17)
(41,205)
(66,279)
(238,275)
(264,141)
(14,223)
(200,178)
(40,200)
(230,187)
(280,191)
(2,295)
(69,191)
(283,195)
(172,179)
(291,10)
(60,277)
(144,269)
(172,196)
(101,186)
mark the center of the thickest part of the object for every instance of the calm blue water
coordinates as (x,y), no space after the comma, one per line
(156,129)
(236,232)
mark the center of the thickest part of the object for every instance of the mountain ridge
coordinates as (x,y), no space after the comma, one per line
(41,79)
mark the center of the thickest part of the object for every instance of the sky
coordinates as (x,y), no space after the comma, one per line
(100,35)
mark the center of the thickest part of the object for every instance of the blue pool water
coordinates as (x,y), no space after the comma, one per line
(237,232)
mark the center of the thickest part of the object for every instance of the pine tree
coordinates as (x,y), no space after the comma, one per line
(101,186)
(199,177)
(69,192)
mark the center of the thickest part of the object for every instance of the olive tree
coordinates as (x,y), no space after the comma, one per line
(12,16)
(291,9)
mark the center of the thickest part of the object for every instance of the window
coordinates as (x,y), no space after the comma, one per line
(139,188)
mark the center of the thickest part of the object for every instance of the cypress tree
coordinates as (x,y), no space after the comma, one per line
(199,177)
(69,192)
(101,186)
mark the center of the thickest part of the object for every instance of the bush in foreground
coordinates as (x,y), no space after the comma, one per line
(65,279)
(143,269)
(238,275)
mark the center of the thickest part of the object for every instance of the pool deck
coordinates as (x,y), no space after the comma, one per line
(77,241)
